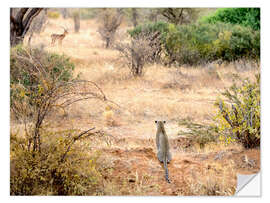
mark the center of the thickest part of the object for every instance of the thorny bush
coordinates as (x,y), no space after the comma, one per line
(238,117)
(142,50)
(41,82)
(60,169)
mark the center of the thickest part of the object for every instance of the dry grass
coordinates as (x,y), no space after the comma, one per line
(162,93)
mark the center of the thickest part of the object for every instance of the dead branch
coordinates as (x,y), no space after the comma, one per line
(74,140)
(142,49)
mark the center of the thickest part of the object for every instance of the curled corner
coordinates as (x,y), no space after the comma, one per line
(248,185)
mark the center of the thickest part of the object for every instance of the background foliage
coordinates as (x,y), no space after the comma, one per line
(200,43)
(248,17)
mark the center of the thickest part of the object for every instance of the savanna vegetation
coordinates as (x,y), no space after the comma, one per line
(82,112)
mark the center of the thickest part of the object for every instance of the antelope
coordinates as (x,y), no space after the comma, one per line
(59,37)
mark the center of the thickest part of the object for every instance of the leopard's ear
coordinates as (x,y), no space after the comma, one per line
(155,121)
(164,122)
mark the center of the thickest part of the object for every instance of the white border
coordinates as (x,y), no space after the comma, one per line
(136,3)
(265,35)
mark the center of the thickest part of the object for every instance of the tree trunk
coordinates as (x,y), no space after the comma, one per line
(15,38)
(134,17)
(153,16)
(107,43)
(65,13)
(19,24)
(76,19)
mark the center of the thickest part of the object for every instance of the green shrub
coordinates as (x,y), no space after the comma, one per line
(249,17)
(53,14)
(201,43)
(22,64)
(240,121)
(160,26)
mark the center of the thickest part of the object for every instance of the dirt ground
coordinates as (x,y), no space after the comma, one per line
(161,94)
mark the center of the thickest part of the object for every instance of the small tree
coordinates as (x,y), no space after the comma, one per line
(134,17)
(76,19)
(20,23)
(139,52)
(64,12)
(110,20)
(41,82)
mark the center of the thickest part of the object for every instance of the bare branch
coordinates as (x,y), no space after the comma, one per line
(143,49)
(74,140)
(45,89)
(225,114)
(110,21)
